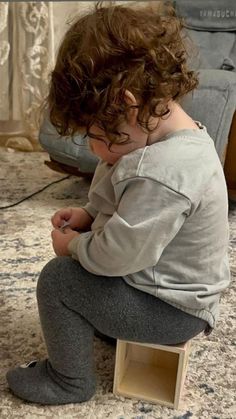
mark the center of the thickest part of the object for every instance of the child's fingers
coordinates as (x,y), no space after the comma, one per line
(55,234)
(60,217)
(55,220)
(65,225)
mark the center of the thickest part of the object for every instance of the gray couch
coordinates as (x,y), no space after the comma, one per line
(211,25)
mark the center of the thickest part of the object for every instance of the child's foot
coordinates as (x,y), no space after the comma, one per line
(37,382)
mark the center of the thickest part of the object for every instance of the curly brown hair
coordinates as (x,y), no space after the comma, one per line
(113,49)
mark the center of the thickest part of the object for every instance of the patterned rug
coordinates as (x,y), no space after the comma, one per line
(25,248)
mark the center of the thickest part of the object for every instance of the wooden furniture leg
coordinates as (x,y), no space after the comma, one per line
(230,161)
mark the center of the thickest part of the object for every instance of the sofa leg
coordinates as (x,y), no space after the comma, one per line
(64,168)
(230,161)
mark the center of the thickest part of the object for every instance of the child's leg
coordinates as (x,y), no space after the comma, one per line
(72,302)
(69,375)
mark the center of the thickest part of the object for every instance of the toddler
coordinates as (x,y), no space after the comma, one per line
(146,259)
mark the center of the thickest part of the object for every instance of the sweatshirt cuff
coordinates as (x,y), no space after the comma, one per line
(73,247)
(90,210)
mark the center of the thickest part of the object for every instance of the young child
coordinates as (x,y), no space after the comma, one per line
(149,261)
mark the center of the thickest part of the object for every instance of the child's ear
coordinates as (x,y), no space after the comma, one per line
(132,113)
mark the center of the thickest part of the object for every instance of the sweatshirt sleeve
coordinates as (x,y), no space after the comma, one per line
(90,210)
(147,218)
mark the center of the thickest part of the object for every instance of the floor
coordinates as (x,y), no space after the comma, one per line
(25,248)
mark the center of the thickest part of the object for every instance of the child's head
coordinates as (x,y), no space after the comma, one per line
(111,52)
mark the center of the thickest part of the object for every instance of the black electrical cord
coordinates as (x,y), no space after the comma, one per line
(35,193)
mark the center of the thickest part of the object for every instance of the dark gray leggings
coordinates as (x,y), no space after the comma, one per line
(73,302)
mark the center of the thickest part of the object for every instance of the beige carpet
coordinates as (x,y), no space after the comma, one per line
(25,248)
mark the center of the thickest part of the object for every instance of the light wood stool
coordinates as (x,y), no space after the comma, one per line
(155,373)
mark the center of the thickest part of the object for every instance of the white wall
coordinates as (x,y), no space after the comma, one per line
(63,13)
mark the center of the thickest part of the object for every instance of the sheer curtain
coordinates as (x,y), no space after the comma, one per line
(30,33)
(26,57)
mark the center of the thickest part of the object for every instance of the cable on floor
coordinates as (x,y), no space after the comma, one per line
(35,193)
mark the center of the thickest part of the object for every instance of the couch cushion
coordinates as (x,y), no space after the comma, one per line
(213,104)
(208,15)
(212,27)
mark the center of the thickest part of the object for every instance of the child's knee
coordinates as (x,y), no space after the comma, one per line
(49,281)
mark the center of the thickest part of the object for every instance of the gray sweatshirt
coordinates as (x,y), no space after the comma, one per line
(161,222)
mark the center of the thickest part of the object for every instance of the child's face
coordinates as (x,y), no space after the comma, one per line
(111,153)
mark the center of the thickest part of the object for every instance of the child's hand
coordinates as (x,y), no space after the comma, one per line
(64,214)
(76,217)
(60,240)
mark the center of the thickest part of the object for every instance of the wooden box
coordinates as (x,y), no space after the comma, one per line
(155,373)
